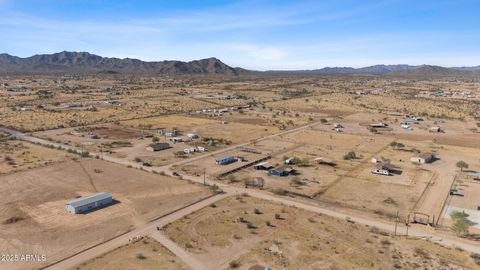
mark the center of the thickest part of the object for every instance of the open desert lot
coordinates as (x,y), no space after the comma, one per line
(145,254)
(33,219)
(239,232)
(18,155)
(233,132)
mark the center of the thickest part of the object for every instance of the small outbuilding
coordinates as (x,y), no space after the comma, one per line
(255,182)
(435,129)
(379,125)
(262,166)
(85,204)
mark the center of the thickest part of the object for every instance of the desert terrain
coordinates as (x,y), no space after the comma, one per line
(72,136)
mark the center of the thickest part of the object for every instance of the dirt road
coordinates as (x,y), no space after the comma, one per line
(147,229)
(150,228)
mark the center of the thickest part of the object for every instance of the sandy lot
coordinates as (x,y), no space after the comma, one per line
(145,254)
(244,231)
(17,156)
(32,212)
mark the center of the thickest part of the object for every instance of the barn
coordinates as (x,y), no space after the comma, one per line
(85,204)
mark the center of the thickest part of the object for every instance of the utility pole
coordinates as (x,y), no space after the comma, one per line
(407,223)
(204,180)
(396,223)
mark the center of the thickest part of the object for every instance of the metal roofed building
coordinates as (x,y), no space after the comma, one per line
(88,203)
(225,160)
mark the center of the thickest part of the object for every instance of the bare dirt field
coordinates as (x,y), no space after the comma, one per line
(33,219)
(233,132)
(244,231)
(145,254)
(18,155)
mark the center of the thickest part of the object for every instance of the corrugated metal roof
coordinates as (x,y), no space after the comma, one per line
(89,199)
(224,158)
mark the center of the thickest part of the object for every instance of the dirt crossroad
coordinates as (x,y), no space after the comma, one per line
(192,261)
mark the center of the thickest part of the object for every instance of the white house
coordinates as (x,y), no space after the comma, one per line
(189,150)
(192,136)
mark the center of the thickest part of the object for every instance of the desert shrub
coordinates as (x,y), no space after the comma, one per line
(350,155)
(257,211)
(234,264)
(140,256)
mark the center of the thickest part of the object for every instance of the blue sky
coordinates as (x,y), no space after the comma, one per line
(251,34)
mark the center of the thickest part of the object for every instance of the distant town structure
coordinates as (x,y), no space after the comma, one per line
(85,204)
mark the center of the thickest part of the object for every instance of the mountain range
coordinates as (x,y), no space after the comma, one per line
(421,70)
(84,62)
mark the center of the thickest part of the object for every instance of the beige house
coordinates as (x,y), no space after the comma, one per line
(423,158)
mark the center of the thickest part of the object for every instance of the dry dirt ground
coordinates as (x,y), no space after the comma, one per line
(145,254)
(33,219)
(241,231)
(18,155)
(235,132)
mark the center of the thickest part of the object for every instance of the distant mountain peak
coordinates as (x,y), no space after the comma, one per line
(85,62)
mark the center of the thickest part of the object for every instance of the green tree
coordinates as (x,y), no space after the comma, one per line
(462,165)
(461,223)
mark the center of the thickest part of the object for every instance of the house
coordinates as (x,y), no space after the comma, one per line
(256,182)
(435,129)
(405,126)
(85,204)
(389,168)
(189,150)
(157,147)
(288,160)
(325,161)
(416,118)
(94,136)
(283,170)
(172,133)
(259,267)
(423,158)
(263,166)
(176,139)
(192,136)
(379,125)
(381,172)
(225,160)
